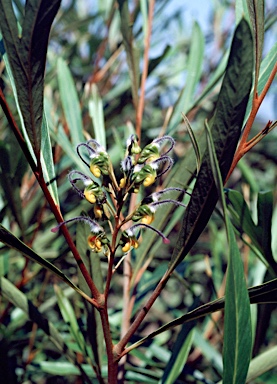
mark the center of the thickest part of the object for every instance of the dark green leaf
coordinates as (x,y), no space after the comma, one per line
(180,352)
(157,60)
(265,212)
(70,102)
(256,13)
(27,56)
(194,70)
(47,161)
(95,105)
(264,293)
(70,319)
(241,216)
(12,241)
(10,184)
(17,298)
(237,318)
(226,128)
(259,234)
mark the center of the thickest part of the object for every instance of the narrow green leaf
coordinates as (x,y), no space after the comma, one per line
(47,161)
(179,355)
(266,67)
(259,234)
(265,212)
(226,130)
(237,319)
(193,141)
(213,81)
(256,13)
(10,184)
(241,216)
(70,102)
(144,14)
(153,63)
(131,51)
(17,298)
(208,350)
(95,106)
(61,137)
(194,71)
(264,293)
(69,317)
(242,11)
(237,344)
(262,363)
(62,368)
(12,241)
(4,264)
(12,83)
(248,175)
(27,56)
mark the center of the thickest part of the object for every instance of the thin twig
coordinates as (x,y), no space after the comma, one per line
(257,101)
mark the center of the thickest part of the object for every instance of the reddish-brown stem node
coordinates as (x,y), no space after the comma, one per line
(257,101)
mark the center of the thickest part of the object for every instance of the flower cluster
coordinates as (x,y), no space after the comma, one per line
(140,167)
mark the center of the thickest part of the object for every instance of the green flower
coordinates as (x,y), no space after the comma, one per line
(99,158)
(151,152)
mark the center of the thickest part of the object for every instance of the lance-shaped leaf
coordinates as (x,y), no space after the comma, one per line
(261,294)
(27,56)
(256,13)
(260,233)
(12,241)
(20,300)
(226,128)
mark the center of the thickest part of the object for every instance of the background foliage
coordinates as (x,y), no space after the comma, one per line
(93,74)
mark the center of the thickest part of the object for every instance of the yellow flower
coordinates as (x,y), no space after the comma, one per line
(122,182)
(97,212)
(95,170)
(149,180)
(147,219)
(131,243)
(89,195)
(126,247)
(94,243)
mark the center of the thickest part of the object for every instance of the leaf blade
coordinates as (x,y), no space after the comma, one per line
(226,130)
(70,102)
(12,241)
(27,57)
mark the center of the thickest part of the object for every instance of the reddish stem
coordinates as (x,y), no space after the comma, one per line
(119,347)
(257,101)
(55,209)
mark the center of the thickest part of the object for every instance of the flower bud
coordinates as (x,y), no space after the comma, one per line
(132,145)
(89,195)
(145,175)
(145,214)
(94,243)
(149,153)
